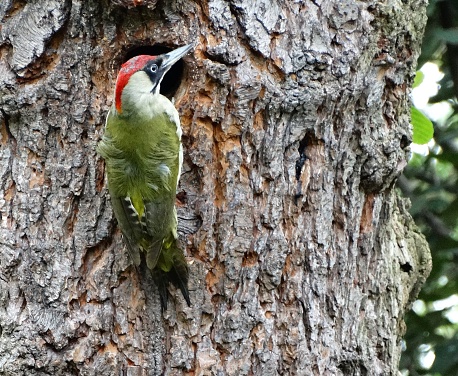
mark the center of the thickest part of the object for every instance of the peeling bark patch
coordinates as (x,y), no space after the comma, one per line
(250,259)
(366,224)
(213,280)
(10,191)
(45,63)
(73,215)
(7,184)
(32,28)
(37,175)
(5,132)
(96,260)
(308,142)
(8,10)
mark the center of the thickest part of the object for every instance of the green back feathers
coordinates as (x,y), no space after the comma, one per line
(142,159)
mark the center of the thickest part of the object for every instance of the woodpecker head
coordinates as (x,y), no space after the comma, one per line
(142,75)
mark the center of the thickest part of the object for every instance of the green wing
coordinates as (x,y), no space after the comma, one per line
(130,226)
(161,226)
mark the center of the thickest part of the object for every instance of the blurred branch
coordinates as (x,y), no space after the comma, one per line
(436,225)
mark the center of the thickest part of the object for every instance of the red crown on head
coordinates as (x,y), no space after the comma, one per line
(128,69)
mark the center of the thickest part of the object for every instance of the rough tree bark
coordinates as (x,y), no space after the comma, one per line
(295,115)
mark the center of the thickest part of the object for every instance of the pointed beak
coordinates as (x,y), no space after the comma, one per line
(172,57)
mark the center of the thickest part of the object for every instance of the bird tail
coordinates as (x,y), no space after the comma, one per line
(178,275)
(160,279)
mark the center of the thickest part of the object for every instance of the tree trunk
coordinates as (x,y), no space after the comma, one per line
(295,115)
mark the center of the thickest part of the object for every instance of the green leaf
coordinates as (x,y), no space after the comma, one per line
(419,77)
(423,130)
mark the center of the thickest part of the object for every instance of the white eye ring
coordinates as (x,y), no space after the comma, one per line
(153,68)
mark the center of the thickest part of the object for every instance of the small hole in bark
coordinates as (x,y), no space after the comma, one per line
(405,141)
(172,79)
(406,268)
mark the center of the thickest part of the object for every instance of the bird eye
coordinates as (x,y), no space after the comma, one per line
(153,68)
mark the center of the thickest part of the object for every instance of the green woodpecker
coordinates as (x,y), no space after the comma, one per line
(143,156)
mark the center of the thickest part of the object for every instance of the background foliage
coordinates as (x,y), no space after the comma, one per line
(431,183)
